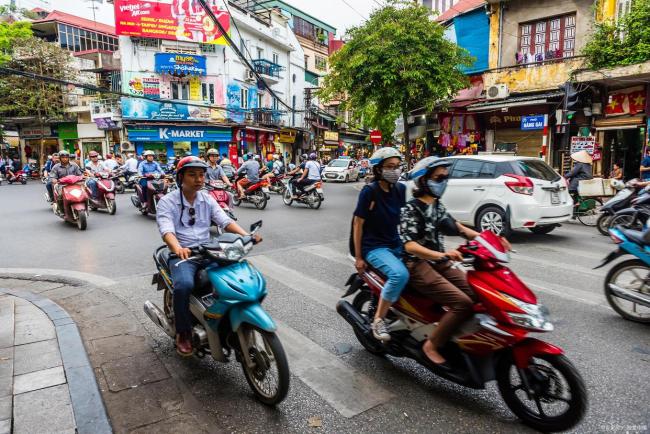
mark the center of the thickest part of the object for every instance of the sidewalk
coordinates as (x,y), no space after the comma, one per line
(47,378)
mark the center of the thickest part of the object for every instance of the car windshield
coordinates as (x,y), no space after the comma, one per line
(535,169)
(339,163)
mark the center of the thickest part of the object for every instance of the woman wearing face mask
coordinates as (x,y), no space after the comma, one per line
(422,224)
(374,231)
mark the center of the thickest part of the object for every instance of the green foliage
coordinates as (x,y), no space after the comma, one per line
(624,43)
(395,62)
(10,33)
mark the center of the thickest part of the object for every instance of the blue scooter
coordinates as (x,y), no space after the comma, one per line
(227,313)
(627,285)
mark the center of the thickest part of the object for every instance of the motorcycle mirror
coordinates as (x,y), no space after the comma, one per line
(255,226)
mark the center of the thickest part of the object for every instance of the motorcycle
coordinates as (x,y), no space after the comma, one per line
(277,184)
(156,189)
(312,194)
(105,193)
(217,189)
(533,377)
(18,176)
(120,181)
(627,287)
(257,194)
(633,217)
(71,201)
(621,200)
(227,313)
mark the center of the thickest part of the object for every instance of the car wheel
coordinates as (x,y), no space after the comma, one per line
(347,178)
(493,219)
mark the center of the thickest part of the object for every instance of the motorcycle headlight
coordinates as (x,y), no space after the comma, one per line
(76,193)
(536,316)
(232,252)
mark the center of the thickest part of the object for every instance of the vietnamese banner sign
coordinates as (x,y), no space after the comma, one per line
(532,123)
(179,20)
(181,64)
(583,144)
(141,84)
(142,109)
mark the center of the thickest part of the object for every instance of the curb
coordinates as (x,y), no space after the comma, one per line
(88,406)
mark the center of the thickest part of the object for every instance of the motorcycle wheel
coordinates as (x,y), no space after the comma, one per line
(269,377)
(637,272)
(82,222)
(315,202)
(235,200)
(111,206)
(119,188)
(286,197)
(603,224)
(626,221)
(263,200)
(23,181)
(365,303)
(555,384)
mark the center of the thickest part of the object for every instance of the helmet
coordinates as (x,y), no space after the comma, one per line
(92,154)
(64,153)
(384,154)
(312,156)
(187,154)
(226,162)
(56,154)
(212,151)
(186,163)
(304,156)
(147,153)
(425,166)
(276,157)
(249,155)
(257,157)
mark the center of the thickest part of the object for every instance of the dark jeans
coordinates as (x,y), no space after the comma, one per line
(143,186)
(183,281)
(300,185)
(50,189)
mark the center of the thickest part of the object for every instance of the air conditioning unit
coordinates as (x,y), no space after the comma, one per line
(497,91)
(250,76)
(126,146)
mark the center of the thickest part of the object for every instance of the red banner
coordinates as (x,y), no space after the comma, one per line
(627,101)
(179,20)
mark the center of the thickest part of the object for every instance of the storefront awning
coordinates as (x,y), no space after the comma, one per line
(520,101)
(619,123)
(266,130)
(463,103)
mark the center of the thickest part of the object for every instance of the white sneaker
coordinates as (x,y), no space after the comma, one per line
(380,330)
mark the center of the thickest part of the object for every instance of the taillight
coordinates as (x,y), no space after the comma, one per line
(521,185)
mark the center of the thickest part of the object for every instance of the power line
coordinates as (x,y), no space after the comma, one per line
(356,11)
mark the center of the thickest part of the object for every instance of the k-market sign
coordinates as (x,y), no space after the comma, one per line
(180,134)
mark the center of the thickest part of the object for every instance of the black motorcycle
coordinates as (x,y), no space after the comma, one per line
(633,217)
(621,201)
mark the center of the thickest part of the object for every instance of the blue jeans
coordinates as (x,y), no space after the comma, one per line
(143,186)
(50,189)
(389,263)
(183,281)
(92,185)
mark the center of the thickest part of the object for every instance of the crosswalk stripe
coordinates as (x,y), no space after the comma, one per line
(318,291)
(348,391)
(329,253)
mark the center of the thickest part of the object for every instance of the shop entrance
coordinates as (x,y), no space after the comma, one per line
(625,148)
(159,148)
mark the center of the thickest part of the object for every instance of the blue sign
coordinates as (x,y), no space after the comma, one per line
(531,123)
(170,133)
(142,109)
(179,64)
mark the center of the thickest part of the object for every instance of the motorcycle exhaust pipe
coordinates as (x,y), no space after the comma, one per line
(353,317)
(629,295)
(159,318)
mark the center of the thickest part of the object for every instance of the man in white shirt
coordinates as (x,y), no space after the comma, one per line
(110,164)
(130,166)
(310,175)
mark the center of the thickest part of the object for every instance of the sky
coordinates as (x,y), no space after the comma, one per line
(341,14)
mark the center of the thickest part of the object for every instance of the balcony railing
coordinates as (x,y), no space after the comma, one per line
(268,68)
(267,116)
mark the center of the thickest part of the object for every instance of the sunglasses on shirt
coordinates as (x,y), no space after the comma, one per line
(192,219)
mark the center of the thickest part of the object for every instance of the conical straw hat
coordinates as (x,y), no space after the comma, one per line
(582,157)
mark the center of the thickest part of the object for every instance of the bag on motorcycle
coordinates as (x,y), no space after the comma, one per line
(373,186)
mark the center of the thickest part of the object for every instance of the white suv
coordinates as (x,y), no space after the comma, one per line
(502,193)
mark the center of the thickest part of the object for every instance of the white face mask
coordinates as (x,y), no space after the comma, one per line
(391,176)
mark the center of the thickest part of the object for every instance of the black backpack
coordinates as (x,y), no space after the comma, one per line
(375,198)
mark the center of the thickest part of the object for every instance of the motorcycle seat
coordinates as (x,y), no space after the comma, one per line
(634,236)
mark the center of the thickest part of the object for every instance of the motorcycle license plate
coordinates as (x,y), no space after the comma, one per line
(265,189)
(555,198)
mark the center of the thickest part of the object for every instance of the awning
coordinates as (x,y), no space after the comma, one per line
(319,126)
(520,101)
(331,142)
(619,123)
(463,103)
(266,130)
(355,141)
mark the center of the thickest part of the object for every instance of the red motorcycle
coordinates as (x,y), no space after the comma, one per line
(71,201)
(257,194)
(105,193)
(277,184)
(156,188)
(537,382)
(18,176)
(217,189)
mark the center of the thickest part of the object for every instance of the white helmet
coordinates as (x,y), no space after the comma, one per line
(383,154)
(148,152)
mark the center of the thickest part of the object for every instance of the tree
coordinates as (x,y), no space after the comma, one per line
(10,33)
(396,62)
(40,100)
(625,42)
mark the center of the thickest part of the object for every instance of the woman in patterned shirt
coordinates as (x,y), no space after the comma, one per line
(422,223)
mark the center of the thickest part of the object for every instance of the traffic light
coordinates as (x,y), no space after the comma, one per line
(570,102)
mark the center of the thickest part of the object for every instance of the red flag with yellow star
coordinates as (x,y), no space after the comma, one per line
(615,106)
(637,101)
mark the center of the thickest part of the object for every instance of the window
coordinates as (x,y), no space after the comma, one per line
(623,7)
(207,91)
(303,28)
(466,169)
(275,103)
(208,48)
(550,38)
(276,58)
(260,53)
(487,170)
(181,91)
(306,62)
(260,100)
(244,98)
(320,62)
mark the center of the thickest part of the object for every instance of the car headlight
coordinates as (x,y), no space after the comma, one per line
(536,316)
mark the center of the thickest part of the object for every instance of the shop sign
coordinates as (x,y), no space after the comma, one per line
(248,136)
(141,84)
(180,134)
(626,102)
(142,109)
(176,20)
(504,120)
(287,136)
(331,136)
(67,130)
(195,89)
(179,64)
(106,124)
(26,132)
(375,136)
(532,123)
(597,155)
(583,144)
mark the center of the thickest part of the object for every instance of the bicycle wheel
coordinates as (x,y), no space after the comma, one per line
(589,211)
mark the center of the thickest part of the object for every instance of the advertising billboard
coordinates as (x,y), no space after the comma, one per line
(178,20)
(142,109)
(180,64)
(141,84)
